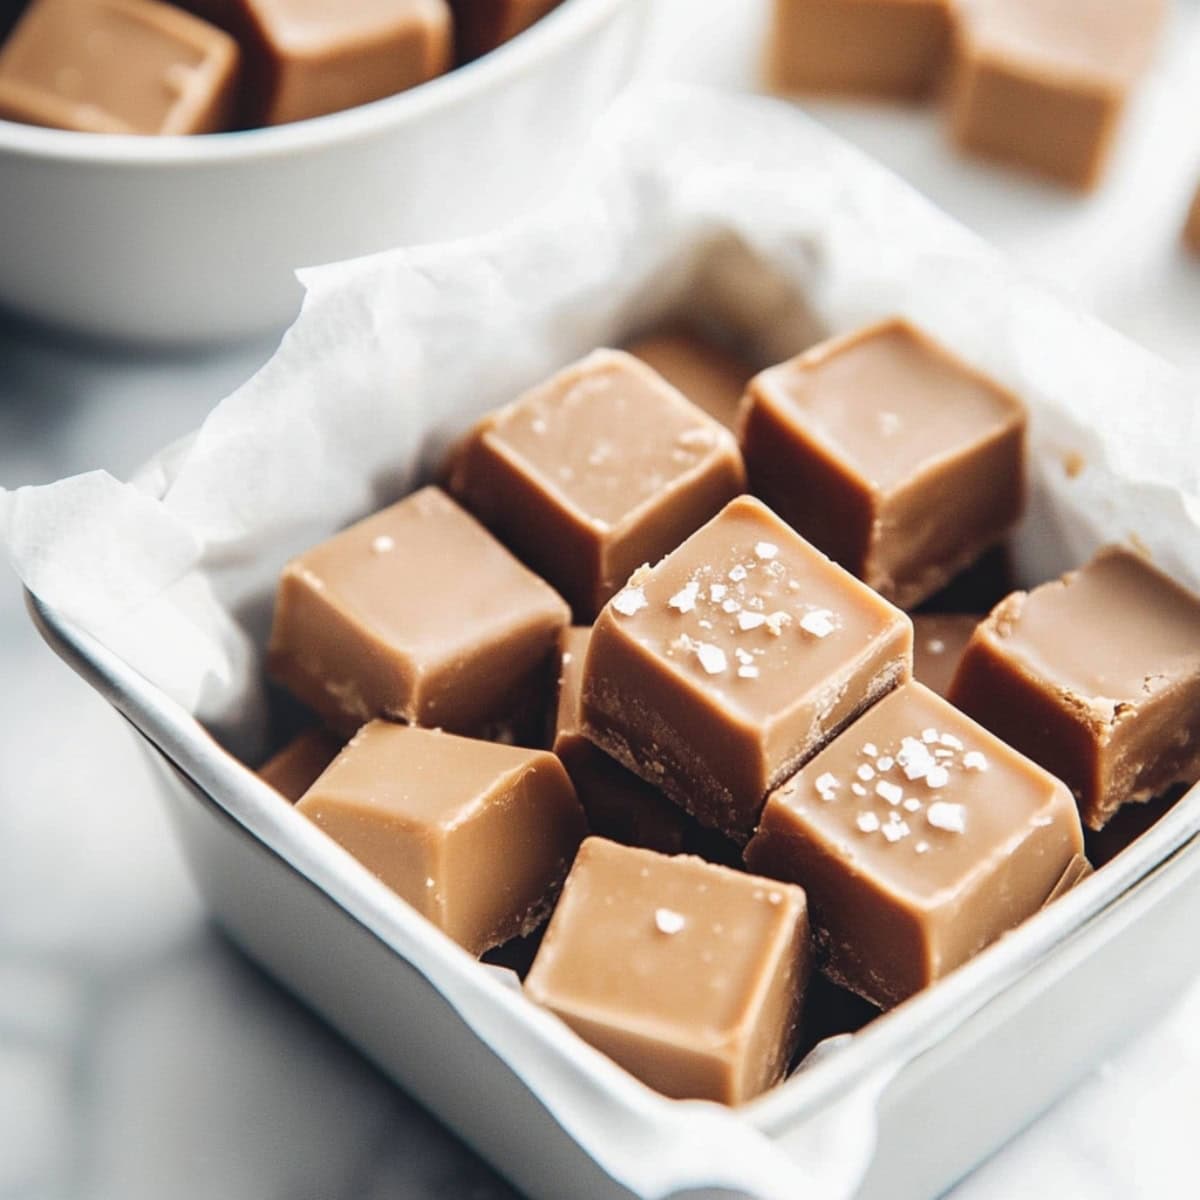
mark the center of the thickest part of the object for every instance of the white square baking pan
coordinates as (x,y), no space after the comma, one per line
(736,211)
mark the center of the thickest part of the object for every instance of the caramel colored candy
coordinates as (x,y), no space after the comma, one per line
(1097,677)
(891,48)
(477,837)
(117,66)
(919,839)
(417,614)
(710,377)
(1042,84)
(1191,229)
(894,457)
(618,804)
(718,672)
(296,767)
(938,643)
(600,469)
(311,58)
(482,25)
(689,975)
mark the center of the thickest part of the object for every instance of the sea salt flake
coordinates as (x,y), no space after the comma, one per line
(948,739)
(776,623)
(538,425)
(870,750)
(731,605)
(912,804)
(712,658)
(705,624)
(766,550)
(858,789)
(684,600)
(743,656)
(737,574)
(383,544)
(668,920)
(893,793)
(630,601)
(865,772)
(922,847)
(895,830)
(929,736)
(748,620)
(885,762)
(716,592)
(973,760)
(745,672)
(937,777)
(940,753)
(868,822)
(820,622)
(951,817)
(827,784)
(935,646)
(914,758)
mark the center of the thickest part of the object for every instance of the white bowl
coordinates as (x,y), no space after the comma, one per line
(184,240)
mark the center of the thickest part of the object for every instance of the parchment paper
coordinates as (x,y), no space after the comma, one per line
(734,211)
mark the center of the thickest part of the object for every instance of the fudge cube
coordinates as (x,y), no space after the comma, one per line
(919,839)
(939,640)
(1191,229)
(117,66)
(891,48)
(715,674)
(618,804)
(600,469)
(689,975)
(1042,84)
(476,836)
(709,376)
(307,59)
(1097,677)
(295,768)
(482,25)
(418,614)
(894,457)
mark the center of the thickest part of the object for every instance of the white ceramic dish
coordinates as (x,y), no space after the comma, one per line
(186,240)
(689,209)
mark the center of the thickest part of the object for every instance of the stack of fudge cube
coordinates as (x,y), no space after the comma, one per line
(638,681)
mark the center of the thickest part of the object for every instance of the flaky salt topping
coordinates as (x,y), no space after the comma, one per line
(629,601)
(668,921)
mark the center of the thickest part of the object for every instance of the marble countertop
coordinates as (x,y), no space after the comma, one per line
(141,1057)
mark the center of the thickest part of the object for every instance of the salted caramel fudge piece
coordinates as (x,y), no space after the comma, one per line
(1042,84)
(1097,677)
(311,57)
(482,25)
(618,804)
(689,975)
(1191,229)
(715,674)
(939,640)
(476,836)
(889,48)
(919,839)
(296,767)
(600,469)
(117,66)
(709,376)
(893,456)
(417,614)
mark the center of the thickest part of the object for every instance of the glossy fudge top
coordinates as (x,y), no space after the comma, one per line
(751,614)
(920,798)
(888,401)
(1065,38)
(1115,632)
(606,436)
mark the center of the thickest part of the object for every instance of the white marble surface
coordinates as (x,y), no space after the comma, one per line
(142,1058)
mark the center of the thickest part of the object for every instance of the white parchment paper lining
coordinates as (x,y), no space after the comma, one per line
(736,211)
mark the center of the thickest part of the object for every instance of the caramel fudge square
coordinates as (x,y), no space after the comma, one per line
(891,48)
(893,456)
(1097,677)
(689,975)
(476,836)
(919,839)
(117,66)
(1042,84)
(600,469)
(417,614)
(717,673)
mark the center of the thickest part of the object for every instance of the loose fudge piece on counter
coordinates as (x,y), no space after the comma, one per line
(482,25)
(476,836)
(689,975)
(890,48)
(710,376)
(117,66)
(919,838)
(939,640)
(892,455)
(417,614)
(715,674)
(295,768)
(306,60)
(602,468)
(1042,84)
(1097,677)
